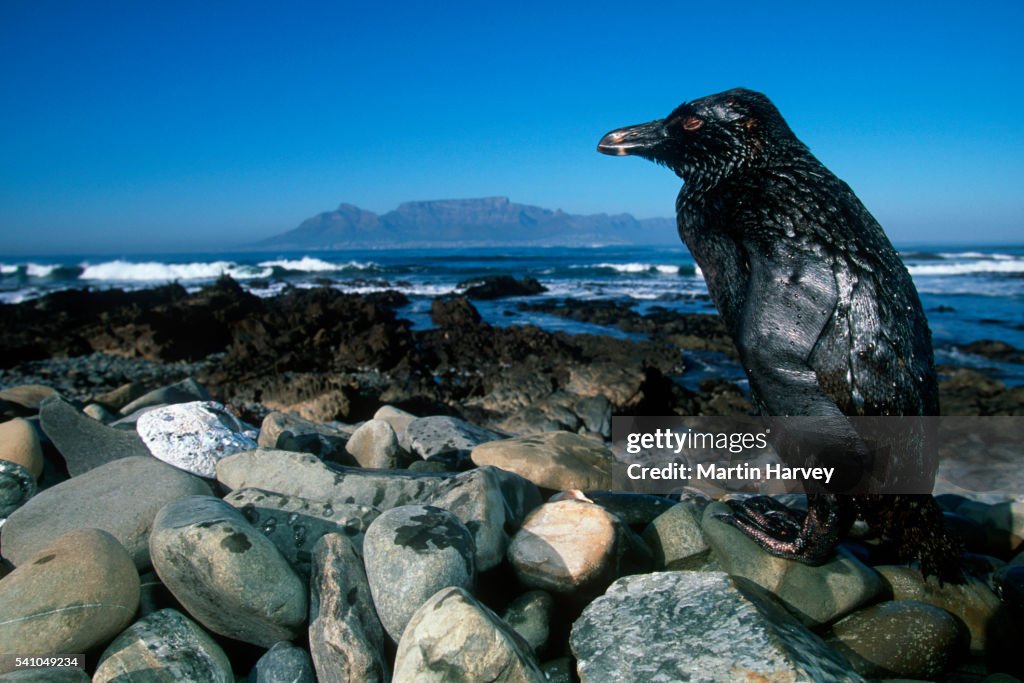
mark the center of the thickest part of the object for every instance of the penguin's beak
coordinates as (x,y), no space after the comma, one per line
(639,140)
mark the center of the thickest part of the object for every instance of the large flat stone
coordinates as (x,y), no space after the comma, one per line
(121,497)
(487,500)
(696,626)
(84,442)
(553,460)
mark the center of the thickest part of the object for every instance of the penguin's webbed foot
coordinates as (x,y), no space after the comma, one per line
(791,534)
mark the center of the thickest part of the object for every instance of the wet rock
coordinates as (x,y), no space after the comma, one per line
(375,445)
(620,384)
(193,436)
(969,392)
(574,547)
(295,524)
(555,460)
(154,596)
(115,399)
(452,638)
(75,594)
(596,414)
(529,615)
(17,485)
(19,443)
(345,635)
(28,396)
(430,437)
(690,626)
(283,663)
(84,442)
(476,498)
(291,433)
(972,602)
(535,420)
(410,553)
(99,413)
(397,418)
(121,497)
(676,539)
(164,647)
(561,670)
(1007,517)
(1009,586)
(819,595)
(521,496)
(454,312)
(499,287)
(635,509)
(186,391)
(995,350)
(306,476)
(485,502)
(905,639)
(226,573)
(428,467)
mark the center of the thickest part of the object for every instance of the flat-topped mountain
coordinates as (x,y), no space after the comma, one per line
(469,222)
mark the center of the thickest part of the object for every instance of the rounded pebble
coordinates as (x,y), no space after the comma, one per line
(410,553)
(19,443)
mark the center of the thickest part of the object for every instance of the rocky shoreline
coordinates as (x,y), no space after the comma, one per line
(215,486)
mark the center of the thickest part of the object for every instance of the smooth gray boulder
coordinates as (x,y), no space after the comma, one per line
(121,497)
(226,573)
(84,442)
(410,553)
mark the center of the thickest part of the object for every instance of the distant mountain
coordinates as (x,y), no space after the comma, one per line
(491,221)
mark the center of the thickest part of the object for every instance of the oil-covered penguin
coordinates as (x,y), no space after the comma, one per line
(823,312)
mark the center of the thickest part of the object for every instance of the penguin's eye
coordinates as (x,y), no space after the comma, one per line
(692,123)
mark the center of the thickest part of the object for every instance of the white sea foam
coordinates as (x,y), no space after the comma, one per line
(409,290)
(972,267)
(306,264)
(8,270)
(37,270)
(975,255)
(309,264)
(636,268)
(153,271)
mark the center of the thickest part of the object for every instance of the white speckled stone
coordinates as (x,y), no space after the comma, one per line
(696,626)
(164,647)
(193,436)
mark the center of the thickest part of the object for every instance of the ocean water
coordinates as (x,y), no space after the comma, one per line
(968,295)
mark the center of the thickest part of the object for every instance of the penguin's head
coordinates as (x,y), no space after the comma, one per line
(708,138)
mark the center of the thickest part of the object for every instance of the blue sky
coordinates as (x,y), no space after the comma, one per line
(135,126)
